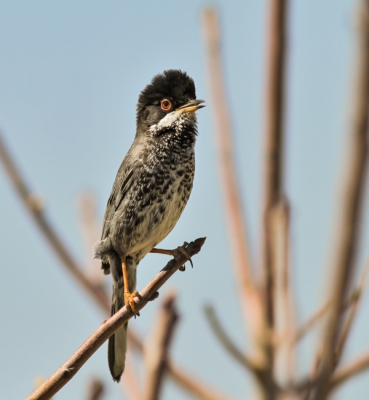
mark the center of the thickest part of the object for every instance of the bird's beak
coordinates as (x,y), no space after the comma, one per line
(191,106)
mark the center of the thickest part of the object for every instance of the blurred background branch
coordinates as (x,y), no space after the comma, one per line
(263,276)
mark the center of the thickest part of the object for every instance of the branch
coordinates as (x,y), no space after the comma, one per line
(129,382)
(32,205)
(307,325)
(273,146)
(66,372)
(96,389)
(193,386)
(249,297)
(90,231)
(346,372)
(35,207)
(157,350)
(231,348)
(356,300)
(353,184)
(285,353)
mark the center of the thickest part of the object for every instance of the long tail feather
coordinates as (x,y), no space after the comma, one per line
(117,346)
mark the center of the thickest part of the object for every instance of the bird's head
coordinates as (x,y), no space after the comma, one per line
(167,102)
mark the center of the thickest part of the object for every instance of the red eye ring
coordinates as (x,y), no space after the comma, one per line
(166,105)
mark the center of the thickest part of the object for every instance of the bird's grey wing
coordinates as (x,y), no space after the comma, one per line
(121,186)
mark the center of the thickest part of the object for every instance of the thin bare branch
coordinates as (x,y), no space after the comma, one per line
(352,196)
(180,376)
(344,373)
(194,386)
(231,348)
(357,297)
(129,382)
(66,372)
(305,327)
(95,390)
(249,297)
(283,300)
(273,168)
(36,210)
(90,231)
(274,136)
(157,349)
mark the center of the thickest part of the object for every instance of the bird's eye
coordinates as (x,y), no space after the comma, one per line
(166,105)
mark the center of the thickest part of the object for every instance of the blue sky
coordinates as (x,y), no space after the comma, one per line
(70,75)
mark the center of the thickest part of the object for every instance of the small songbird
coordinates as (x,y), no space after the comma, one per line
(150,191)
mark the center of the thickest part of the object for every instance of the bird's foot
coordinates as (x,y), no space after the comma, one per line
(129,300)
(175,253)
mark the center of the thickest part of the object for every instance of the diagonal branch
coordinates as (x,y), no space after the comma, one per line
(35,208)
(180,376)
(349,370)
(231,348)
(95,390)
(249,296)
(156,354)
(352,196)
(90,227)
(66,372)
(193,386)
(356,300)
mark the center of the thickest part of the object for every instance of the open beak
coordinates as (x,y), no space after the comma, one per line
(192,106)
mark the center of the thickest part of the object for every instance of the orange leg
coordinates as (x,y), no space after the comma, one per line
(129,298)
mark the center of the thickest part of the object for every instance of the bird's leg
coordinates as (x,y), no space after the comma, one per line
(129,298)
(174,253)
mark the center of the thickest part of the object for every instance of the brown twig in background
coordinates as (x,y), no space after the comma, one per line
(347,371)
(232,349)
(305,327)
(356,300)
(66,372)
(129,382)
(285,352)
(273,153)
(249,296)
(96,389)
(157,350)
(35,208)
(180,376)
(90,231)
(193,386)
(352,196)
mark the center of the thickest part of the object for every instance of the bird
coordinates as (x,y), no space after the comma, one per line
(150,191)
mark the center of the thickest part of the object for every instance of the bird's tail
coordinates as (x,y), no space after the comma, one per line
(117,346)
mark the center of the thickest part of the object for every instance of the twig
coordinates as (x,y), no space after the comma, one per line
(156,353)
(357,296)
(352,197)
(35,208)
(129,382)
(89,226)
(96,389)
(347,371)
(273,171)
(283,300)
(66,372)
(181,377)
(273,146)
(231,348)
(307,325)
(194,387)
(249,297)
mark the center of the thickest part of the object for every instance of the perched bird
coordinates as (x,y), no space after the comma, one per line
(150,191)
